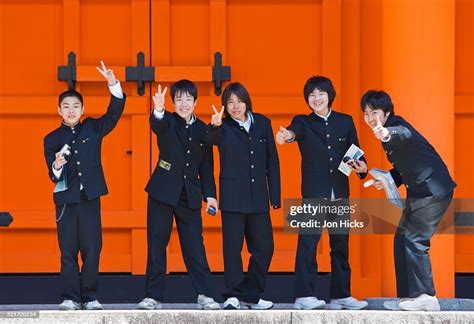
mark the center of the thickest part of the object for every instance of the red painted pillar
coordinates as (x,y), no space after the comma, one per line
(418,72)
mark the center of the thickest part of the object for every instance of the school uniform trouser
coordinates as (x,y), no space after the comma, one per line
(258,233)
(418,223)
(306,265)
(189,224)
(80,230)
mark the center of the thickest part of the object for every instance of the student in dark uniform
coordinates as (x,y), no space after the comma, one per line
(249,179)
(418,166)
(184,176)
(323,138)
(80,183)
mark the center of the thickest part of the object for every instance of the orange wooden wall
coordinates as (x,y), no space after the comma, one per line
(420,51)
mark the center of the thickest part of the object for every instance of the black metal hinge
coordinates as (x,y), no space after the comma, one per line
(219,73)
(68,73)
(5,219)
(140,73)
(463,219)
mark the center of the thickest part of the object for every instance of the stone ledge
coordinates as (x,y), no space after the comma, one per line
(238,317)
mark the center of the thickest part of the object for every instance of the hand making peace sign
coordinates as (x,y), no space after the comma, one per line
(159,99)
(108,74)
(216,118)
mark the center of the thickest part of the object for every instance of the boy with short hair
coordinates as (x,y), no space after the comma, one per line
(80,182)
(430,189)
(184,175)
(323,138)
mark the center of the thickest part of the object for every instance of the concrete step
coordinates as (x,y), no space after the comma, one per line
(447,304)
(187,313)
(240,316)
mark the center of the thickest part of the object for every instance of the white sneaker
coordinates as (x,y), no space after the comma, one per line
(92,305)
(149,303)
(68,305)
(423,302)
(394,304)
(204,302)
(261,305)
(231,303)
(309,303)
(348,303)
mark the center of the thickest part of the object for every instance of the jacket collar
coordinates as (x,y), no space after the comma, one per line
(250,121)
(76,127)
(390,120)
(319,118)
(184,122)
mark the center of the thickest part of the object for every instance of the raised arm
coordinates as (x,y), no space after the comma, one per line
(394,134)
(158,120)
(109,120)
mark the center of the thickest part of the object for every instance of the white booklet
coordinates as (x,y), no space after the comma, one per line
(353,153)
(61,185)
(388,185)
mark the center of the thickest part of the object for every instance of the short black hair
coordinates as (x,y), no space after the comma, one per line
(322,84)
(182,87)
(70,93)
(377,99)
(239,90)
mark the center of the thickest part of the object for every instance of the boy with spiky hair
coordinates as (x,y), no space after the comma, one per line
(184,175)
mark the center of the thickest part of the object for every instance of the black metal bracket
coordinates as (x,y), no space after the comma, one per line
(5,219)
(219,73)
(463,219)
(140,73)
(68,73)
